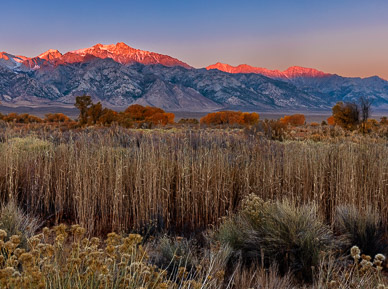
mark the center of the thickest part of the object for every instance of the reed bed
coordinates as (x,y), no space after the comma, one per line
(119,180)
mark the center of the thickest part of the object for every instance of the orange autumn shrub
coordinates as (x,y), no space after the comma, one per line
(230,117)
(330,120)
(56,118)
(150,111)
(108,116)
(141,114)
(346,115)
(135,111)
(384,120)
(294,120)
(250,118)
(21,118)
(161,118)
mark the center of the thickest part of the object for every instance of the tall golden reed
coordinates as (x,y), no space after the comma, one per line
(116,179)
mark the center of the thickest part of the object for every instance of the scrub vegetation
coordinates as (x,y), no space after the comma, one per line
(240,203)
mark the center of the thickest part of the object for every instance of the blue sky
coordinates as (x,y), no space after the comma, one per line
(345,37)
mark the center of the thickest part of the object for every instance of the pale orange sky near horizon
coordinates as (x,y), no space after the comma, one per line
(339,53)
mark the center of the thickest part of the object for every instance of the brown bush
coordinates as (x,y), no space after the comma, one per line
(294,120)
(346,115)
(56,118)
(108,116)
(384,120)
(188,121)
(230,118)
(21,118)
(161,118)
(330,120)
(139,114)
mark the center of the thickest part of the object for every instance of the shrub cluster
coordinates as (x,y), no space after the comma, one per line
(293,120)
(278,232)
(134,115)
(230,118)
(295,238)
(26,118)
(65,257)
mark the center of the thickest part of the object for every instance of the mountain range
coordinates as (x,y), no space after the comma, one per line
(119,75)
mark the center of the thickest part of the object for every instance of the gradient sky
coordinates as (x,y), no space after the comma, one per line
(349,37)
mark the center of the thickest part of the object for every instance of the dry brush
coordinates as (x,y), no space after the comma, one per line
(119,180)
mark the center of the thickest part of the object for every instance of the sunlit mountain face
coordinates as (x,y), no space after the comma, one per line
(119,75)
(120,52)
(292,72)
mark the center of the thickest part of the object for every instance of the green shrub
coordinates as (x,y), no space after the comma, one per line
(267,232)
(172,254)
(364,229)
(15,222)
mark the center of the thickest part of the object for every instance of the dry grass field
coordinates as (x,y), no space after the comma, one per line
(207,185)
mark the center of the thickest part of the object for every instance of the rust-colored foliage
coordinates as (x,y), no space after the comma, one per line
(294,120)
(56,118)
(94,113)
(230,117)
(145,114)
(330,120)
(384,120)
(250,118)
(91,114)
(21,118)
(161,118)
(108,116)
(150,111)
(135,111)
(370,124)
(83,103)
(346,115)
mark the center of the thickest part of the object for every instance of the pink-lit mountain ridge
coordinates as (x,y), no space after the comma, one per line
(291,72)
(119,75)
(120,52)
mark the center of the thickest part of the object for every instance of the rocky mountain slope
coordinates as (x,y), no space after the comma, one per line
(119,75)
(330,87)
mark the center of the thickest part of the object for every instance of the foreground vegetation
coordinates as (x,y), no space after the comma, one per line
(230,202)
(264,245)
(181,180)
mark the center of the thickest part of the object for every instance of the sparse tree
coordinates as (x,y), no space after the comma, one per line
(94,113)
(365,109)
(83,103)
